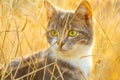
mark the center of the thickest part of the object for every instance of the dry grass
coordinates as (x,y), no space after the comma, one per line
(23,25)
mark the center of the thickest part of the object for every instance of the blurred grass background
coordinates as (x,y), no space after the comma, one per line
(23,25)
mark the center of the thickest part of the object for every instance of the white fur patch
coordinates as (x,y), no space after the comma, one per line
(73,57)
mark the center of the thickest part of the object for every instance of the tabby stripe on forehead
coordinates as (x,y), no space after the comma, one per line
(82,32)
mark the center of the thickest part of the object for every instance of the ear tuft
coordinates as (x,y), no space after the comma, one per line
(50,9)
(84,9)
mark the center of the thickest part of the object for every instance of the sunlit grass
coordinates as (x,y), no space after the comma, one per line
(23,25)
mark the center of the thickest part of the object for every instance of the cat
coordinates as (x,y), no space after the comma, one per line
(70,36)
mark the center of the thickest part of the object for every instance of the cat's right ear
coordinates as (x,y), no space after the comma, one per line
(50,9)
(84,10)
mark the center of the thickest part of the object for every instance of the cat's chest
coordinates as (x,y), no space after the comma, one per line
(56,70)
(62,70)
(46,69)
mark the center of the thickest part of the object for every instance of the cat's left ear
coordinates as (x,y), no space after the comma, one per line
(50,9)
(84,10)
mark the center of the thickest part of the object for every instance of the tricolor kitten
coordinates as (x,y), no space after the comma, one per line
(70,35)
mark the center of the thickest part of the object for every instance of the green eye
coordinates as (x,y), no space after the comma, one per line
(72,33)
(54,33)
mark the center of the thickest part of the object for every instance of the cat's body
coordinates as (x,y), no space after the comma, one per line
(35,70)
(70,35)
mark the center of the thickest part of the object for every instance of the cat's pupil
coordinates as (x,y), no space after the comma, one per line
(54,33)
(72,33)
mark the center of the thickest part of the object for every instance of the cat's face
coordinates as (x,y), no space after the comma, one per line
(70,33)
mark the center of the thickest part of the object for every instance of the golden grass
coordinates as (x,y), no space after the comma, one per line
(23,25)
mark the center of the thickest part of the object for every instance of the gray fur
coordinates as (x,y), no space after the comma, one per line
(68,50)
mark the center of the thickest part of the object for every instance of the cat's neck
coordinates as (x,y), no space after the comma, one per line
(83,63)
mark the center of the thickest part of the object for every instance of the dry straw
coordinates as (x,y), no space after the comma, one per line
(23,27)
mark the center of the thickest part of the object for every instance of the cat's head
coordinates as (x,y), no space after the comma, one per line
(70,33)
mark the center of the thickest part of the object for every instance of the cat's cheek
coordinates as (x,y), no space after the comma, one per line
(54,44)
(55,47)
(53,41)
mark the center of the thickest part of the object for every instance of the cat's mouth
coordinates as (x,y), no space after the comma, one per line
(61,51)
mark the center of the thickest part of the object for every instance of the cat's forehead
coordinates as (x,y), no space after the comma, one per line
(63,15)
(60,20)
(63,19)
